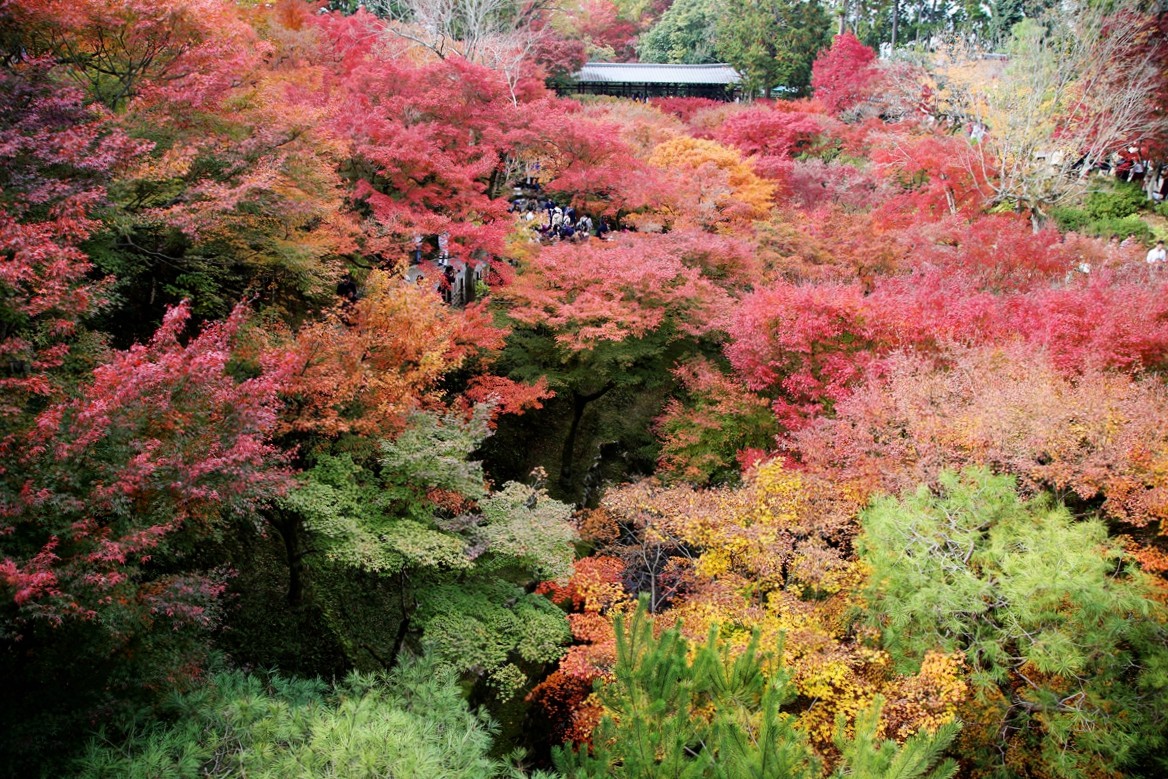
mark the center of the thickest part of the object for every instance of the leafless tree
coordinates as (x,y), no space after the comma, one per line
(500,34)
(1073,89)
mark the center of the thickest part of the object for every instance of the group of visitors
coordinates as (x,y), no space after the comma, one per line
(1133,166)
(554,223)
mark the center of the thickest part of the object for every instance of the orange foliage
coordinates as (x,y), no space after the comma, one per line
(361,371)
(596,590)
(715,185)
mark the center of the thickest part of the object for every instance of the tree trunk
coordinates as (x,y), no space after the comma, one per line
(289,530)
(403,629)
(895,21)
(579,403)
(498,177)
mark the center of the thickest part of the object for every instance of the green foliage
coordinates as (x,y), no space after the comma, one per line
(491,627)
(684,34)
(521,526)
(681,711)
(1078,221)
(434,452)
(412,722)
(1059,629)
(1107,213)
(386,521)
(772,43)
(867,756)
(383,522)
(394,561)
(358,522)
(1122,200)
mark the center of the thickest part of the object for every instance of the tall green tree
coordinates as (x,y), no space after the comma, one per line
(772,43)
(1065,640)
(684,34)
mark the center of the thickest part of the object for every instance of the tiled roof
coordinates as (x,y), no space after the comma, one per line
(650,73)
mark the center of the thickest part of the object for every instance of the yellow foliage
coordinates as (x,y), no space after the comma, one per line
(717,185)
(766,557)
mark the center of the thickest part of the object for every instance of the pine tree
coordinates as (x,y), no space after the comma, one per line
(672,710)
(866,756)
(1061,631)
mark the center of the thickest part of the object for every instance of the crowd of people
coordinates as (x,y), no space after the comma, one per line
(553,222)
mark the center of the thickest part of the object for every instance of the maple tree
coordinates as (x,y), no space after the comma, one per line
(364,369)
(108,496)
(431,144)
(57,155)
(842,75)
(809,342)
(775,132)
(610,34)
(716,187)
(176,50)
(391,519)
(593,319)
(584,163)
(703,440)
(797,308)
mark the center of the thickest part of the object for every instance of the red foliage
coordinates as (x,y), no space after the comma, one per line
(842,76)
(1000,251)
(507,395)
(585,161)
(828,244)
(683,108)
(813,183)
(562,699)
(184,53)
(1097,434)
(429,141)
(807,344)
(558,56)
(776,133)
(720,420)
(601,24)
(612,291)
(594,587)
(724,259)
(595,590)
(938,175)
(55,157)
(163,444)
(1101,323)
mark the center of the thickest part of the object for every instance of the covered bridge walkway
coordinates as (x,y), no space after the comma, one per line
(641,80)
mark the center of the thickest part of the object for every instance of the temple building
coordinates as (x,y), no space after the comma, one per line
(641,80)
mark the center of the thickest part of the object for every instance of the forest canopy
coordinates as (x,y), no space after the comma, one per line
(368,407)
